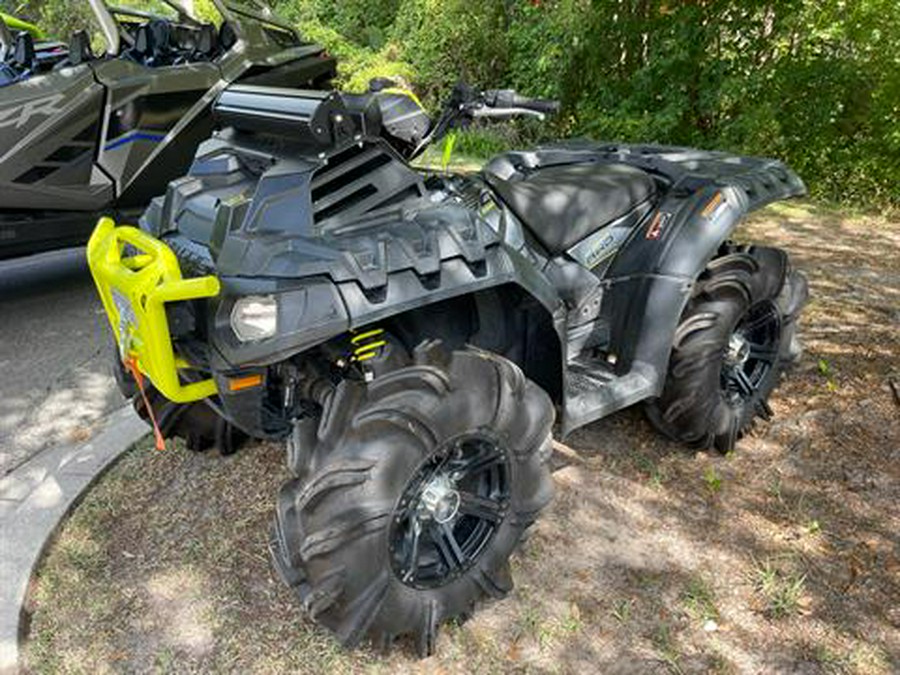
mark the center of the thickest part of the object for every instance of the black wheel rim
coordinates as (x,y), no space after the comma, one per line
(751,354)
(449,512)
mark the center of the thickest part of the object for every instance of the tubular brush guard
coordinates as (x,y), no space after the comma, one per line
(134,289)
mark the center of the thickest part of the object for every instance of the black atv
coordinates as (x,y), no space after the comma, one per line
(412,335)
(84,134)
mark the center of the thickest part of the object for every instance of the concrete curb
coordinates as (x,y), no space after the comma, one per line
(34,499)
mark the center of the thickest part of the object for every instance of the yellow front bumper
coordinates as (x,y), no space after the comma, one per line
(134,288)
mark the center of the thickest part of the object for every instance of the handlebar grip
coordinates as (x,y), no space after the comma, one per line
(507,98)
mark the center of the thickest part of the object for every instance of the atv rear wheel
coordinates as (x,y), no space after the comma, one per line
(733,341)
(419,488)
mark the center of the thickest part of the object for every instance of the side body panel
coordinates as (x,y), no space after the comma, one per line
(49,130)
(262,233)
(154,118)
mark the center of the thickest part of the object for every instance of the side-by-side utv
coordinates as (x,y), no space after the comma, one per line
(412,336)
(85,134)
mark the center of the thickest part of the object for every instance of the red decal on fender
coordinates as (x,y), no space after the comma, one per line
(658,224)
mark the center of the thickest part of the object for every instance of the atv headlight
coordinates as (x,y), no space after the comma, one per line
(255,317)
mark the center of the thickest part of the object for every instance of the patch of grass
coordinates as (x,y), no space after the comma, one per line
(712,479)
(774,488)
(621,610)
(867,658)
(827,372)
(781,590)
(529,621)
(858,658)
(165,661)
(572,622)
(720,665)
(666,649)
(651,468)
(813,527)
(699,600)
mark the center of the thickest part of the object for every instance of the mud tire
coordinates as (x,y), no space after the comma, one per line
(695,407)
(331,540)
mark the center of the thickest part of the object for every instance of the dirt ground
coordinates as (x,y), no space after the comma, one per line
(783,557)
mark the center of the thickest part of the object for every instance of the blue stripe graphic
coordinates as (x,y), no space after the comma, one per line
(131,138)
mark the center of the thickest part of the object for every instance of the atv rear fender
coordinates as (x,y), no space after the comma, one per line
(652,278)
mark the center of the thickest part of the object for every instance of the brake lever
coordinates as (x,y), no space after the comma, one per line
(507,112)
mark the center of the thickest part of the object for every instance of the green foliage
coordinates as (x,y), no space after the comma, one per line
(712,479)
(810,82)
(813,82)
(357,65)
(58,19)
(206,11)
(450,40)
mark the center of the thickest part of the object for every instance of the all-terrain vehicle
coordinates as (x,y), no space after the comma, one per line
(84,134)
(412,335)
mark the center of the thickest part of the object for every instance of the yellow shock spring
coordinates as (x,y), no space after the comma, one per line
(367,345)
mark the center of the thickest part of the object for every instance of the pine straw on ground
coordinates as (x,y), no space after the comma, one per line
(782,557)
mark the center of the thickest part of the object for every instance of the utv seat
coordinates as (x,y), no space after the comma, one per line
(79,51)
(162,42)
(562,205)
(207,43)
(228,37)
(80,48)
(24,56)
(142,51)
(151,44)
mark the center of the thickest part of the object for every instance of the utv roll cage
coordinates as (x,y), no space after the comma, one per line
(248,20)
(6,39)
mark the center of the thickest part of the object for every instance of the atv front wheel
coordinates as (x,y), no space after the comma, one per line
(420,487)
(197,423)
(732,343)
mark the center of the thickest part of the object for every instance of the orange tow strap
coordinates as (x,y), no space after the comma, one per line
(131,365)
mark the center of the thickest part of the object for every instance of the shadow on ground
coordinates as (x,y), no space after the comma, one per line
(53,355)
(783,557)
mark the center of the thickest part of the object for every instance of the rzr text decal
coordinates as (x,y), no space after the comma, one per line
(20,115)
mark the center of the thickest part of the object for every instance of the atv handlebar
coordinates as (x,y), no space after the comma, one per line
(510,100)
(466,104)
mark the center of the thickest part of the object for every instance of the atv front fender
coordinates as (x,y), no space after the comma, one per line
(313,310)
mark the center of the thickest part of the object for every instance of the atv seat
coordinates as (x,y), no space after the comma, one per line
(562,205)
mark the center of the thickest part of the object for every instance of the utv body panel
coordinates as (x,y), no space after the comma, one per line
(145,109)
(107,135)
(49,133)
(18,24)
